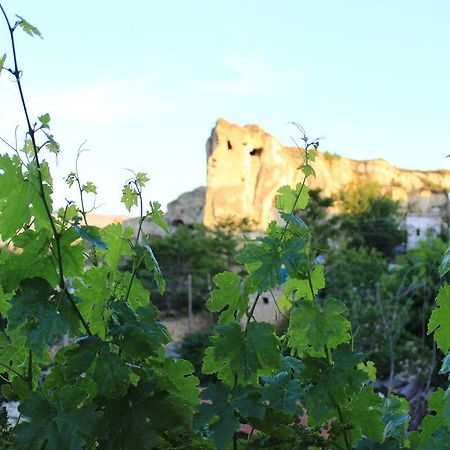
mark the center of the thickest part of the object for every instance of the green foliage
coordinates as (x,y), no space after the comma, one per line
(2,62)
(370,219)
(445,264)
(27,27)
(388,303)
(228,287)
(324,225)
(114,388)
(241,357)
(438,323)
(312,329)
(192,348)
(289,199)
(129,197)
(195,251)
(64,419)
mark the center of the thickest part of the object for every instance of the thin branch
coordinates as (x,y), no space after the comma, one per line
(136,244)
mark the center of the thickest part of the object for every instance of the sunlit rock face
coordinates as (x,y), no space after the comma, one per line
(247,165)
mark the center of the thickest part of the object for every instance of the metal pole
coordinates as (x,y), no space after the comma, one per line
(189,280)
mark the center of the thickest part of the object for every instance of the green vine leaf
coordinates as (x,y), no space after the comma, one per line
(445,264)
(2,62)
(296,223)
(89,188)
(72,253)
(52,146)
(35,310)
(284,393)
(138,295)
(152,264)
(262,261)
(438,323)
(301,288)
(32,261)
(365,412)
(446,365)
(111,375)
(395,418)
(141,179)
(288,199)
(328,386)
(69,213)
(312,329)
(62,420)
(431,423)
(175,377)
(94,291)
(158,216)
(129,197)
(79,357)
(13,352)
(5,302)
(228,297)
(117,242)
(223,407)
(245,356)
(308,171)
(28,28)
(138,334)
(90,234)
(45,120)
(14,201)
(70,179)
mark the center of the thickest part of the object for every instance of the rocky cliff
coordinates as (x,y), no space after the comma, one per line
(247,165)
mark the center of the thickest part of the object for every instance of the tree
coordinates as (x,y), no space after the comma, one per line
(370,219)
(190,250)
(319,219)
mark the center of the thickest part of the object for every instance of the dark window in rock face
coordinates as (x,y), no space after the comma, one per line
(230,147)
(256,152)
(265,300)
(418,232)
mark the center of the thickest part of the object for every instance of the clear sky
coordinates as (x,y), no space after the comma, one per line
(143,81)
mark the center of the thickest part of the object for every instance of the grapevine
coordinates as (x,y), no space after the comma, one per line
(113,387)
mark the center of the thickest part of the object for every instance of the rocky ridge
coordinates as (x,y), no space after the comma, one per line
(247,165)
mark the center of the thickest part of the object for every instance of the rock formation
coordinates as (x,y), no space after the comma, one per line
(246,167)
(187,209)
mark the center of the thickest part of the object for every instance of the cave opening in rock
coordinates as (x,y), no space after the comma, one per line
(230,147)
(256,152)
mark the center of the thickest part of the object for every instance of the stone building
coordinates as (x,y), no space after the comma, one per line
(421,225)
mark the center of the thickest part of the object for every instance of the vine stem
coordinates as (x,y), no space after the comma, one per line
(138,235)
(31,132)
(250,313)
(30,369)
(83,209)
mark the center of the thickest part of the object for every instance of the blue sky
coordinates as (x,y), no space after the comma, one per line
(144,82)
